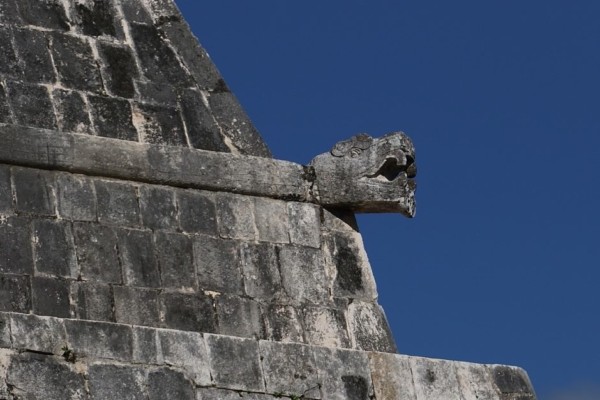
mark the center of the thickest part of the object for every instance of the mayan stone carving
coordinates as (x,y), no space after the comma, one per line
(365,174)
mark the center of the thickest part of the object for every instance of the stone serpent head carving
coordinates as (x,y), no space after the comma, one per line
(366,174)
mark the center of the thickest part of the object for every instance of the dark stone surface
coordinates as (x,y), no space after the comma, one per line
(167,384)
(218,265)
(235,216)
(144,345)
(189,312)
(9,12)
(72,110)
(42,377)
(158,60)
(31,105)
(116,382)
(5,190)
(176,261)
(349,277)
(9,65)
(5,339)
(235,363)
(53,248)
(325,327)
(197,212)
(5,115)
(33,189)
(50,297)
(156,93)
(44,13)
(92,301)
(75,63)
(237,125)
(96,18)
(117,203)
(135,11)
(511,380)
(136,306)
(369,328)
(121,69)
(283,324)
(261,270)
(75,197)
(32,47)
(161,125)
(136,252)
(203,131)
(345,374)
(112,118)
(158,208)
(96,247)
(100,339)
(239,316)
(15,293)
(15,258)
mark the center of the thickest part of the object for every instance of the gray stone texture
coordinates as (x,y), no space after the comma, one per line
(325,327)
(113,118)
(100,339)
(137,258)
(392,376)
(31,105)
(15,258)
(271,219)
(75,63)
(50,296)
(34,191)
(304,224)
(136,306)
(369,329)
(345,374)
(32,48)
(239,316)
(76,197)
(158,208)
(235,363)
(189,312)
(117,203)
(203,131)
(235,215)
(96,247)
(111,381)
(197,212)
(6,200)
(175,256)
(218,265)
(260,267)
(158,124)
(54,250)
(303,274)
(72,111)
(168,384)
(283,324)
(186,350)
(93,301)
(120,69)
(15,293)
(41,334)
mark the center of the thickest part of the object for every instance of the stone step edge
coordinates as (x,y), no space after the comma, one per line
(259,366)
(158,164)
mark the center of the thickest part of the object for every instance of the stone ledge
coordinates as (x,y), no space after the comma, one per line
(207,365)
(168,165)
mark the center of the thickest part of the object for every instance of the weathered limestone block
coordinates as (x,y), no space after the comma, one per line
(75,63)
(45,14)
(73,114)
(54,250)
(235,215)
(33,51)
(14,257)
(218,265)
(239,316)
(158,208)
(41,334)
(50,296)
(145,345)
(186,350)
(435,379)
(283,323)
(108,381)
(137,258)
(189,312)
(512,381)
(136,306)
(168,384)
(203,131)
(120,69)
(31,105)
(325,327)
(475,382)
(305,224)
(34,191)
(369,329)
(392,376)
(303,274)
(197,212)
(175,256)
(100,339)
(158,124)
(93,301)
(113,118)
(15,293)
(76,197)
(6,206)
(345,374)
(117,203)
(96,248)
(261,270)
(271,220)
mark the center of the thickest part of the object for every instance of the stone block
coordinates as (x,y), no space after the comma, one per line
(235,216)
(145,350)
(271,219)
(283,324)
(136,306)
(31,105)
(136,252)
(303,274)
(6,206)
(117,203)
(93,301)
(222,394)
(156,93)
(158,208)
(261,270)
(15,293)
(475,382)
(325,327)
(158,124)
(511,380)
(197,212)
(157,58)
(5,337)
(349,267)
(189,312)
(392,376)
(34,333)
(239,316)
(435,379)
(344,374)
(290,368)
(218,265)
(185,350)
(96,248)
(9,12)
(236,124)
(202,129)
(235,363)
(10,64)
(50,296)
(100,339)
(72,111)
(97,18)
(34,191)
(135,11)
(120,69)
(32,46)
(116,382)
(35,376)
(305,224)
(45,13)
(113,118)
(176,261)
(369,329)
(339,221)
(54,250)
(75,63)
(167,384)
(15,258)
(5,114)
(76,197)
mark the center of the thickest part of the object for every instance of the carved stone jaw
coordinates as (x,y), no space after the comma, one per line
(366,174)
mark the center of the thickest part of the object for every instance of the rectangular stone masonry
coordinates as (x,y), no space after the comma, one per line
(189,312)
(112,118)
(50,296)
(5,113)
(186,350)
(283,323)
(108,381)
(202,129)
(156,93)
(271,219)
(239,316)
(305,224)
(345,374)
(175,256)
(435,379)
(54,250)
(34,191)
(160,125)
(157,205)
(303,274)
(369,329)
(6,198)
(392,376)
(235,363)
(14,257)
(218,265)
(74,60)
(15,293)
(197,211)
(326,327)
(136,306)
(76,197)
(96,248)
(512,381)
(93,301)
(136,253)
(145,350)
(235,216)
(32,47)
(43,334)
(31,105)
(100,339)
(475,382)
(260,266)
(72,111)
(168,384)
(7,52)
(117,203)
(120,69)
(97,18)
(44,13)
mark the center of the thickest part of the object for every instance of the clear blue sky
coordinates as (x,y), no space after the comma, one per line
(502,99)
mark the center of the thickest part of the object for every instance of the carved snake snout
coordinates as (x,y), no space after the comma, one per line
(394,167)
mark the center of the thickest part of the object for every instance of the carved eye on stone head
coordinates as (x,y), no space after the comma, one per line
(355,152)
